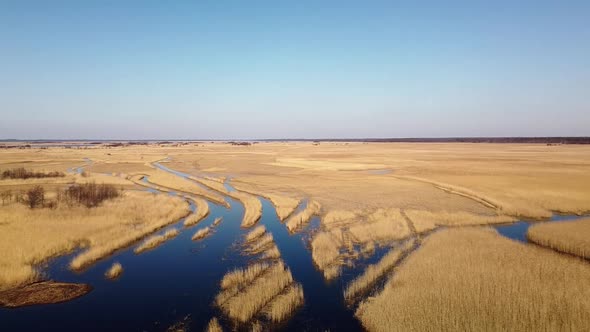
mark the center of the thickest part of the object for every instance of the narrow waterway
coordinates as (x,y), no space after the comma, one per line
(178,280)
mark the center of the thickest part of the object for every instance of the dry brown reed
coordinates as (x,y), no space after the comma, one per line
(202,233)
(271,253)
(243,276)
(217,221)
(250,300)
(375,271)
(251,203)
(283,305)
(202,211)
(214,325)
(472,279)
(571,237)
(172,182)
(261,244)
(284,205)
(426,220)
(302,218)
(255,233)
(155,240)
(114,271)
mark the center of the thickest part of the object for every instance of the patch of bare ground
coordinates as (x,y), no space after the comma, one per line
(44,292)
(476,280)
(571,237)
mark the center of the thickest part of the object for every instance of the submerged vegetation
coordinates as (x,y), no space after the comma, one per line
(114,271)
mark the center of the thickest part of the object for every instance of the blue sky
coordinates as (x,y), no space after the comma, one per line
(293,69)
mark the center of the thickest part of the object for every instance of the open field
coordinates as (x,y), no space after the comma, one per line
(571,237)
(474,280)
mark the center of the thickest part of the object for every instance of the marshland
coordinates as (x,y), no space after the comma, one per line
(295,236)
(294,166)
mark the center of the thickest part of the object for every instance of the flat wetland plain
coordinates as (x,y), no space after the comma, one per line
(193,236)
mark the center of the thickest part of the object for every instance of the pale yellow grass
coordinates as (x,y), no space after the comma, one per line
(520,179)
(325,249)
(255,233)
(375,271)
(245,304)
(29,237)
(571,237)
(284,205)
(202,233)
(202,210)
(114,271)
(177,183)
(303,217)
(251,203)
(240,279)
(283,305)
(214,325)
(260,244)
(475,280)
(243,276)
(426,220)
(155,240)
(343,229)
(382,225)
(217,221)
(271,253)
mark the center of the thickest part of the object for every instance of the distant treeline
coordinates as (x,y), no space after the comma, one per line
(22,173)
(539,140)
(114,143)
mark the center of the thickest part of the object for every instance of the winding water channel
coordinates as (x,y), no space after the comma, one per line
(177,281)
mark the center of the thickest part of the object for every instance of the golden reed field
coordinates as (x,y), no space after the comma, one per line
(429,207)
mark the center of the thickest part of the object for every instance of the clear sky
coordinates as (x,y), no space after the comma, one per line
(293,69)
